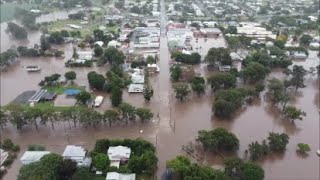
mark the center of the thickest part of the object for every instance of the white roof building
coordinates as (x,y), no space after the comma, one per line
(118,176)
(32,156)
(100,43)
(85,55)
(113,44)
(117,154)
(137,78)
(78,154)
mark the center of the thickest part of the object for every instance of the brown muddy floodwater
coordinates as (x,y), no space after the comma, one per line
(178,122)
(33,36)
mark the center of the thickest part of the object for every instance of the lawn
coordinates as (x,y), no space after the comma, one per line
(7,10)
(60,89)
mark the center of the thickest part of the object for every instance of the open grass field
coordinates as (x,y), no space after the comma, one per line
(7,10)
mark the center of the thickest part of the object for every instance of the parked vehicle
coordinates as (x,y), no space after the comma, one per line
(97,102)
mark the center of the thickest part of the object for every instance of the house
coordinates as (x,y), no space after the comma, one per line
(118,154)
(32,156)
(113,44)
(3,156)
(85,55)
(153,68)
(78,154)
(224,68)
(99,43)
(137,78)
(118,176)
(135,88)
(299,55)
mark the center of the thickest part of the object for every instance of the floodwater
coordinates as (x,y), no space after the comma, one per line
(175,123)
(7,41)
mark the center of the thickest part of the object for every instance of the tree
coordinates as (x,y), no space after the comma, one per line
(184,169)
(144,114)
(222,80)
(96,80)
(231,30)
(17,116)
(111,116)
(226,102)
(176,73)
(292,113)
(32,115)
(17,31)
(98,51)
(278,142)
(237,169)
(298,74)
(278,92)
(182,91)
(113,56)
(82,173)
(254,72)
(303,148)
(3,119)
(128,112)
(116,96)
(218,139)
(198,85)
(100,161)
(67,169)
(257,150)
(305,39)
(252,171)
(150,60)
(147,92)
(218,56)
(70,75)
(83,97)
(44,43)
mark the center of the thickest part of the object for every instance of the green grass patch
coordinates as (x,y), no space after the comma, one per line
(60,89)
(7,10)
(112,28)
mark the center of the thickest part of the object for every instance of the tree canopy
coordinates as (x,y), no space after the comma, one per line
(238,169)
(218,139)
(96,80)
(254,72)
(218,56)
(182,90)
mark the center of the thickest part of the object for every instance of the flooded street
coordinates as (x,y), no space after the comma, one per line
(175,123)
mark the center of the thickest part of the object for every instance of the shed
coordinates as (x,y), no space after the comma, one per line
(100,43)
(32,156)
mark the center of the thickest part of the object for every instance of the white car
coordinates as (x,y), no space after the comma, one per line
(97,102)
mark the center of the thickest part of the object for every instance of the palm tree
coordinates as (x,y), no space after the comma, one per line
(111,116)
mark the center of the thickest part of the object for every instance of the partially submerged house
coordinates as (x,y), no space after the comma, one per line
(42,95)
(78,154)
(118,154)
(32,156)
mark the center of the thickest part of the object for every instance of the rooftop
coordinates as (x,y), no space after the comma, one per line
(74,151)
(32,156)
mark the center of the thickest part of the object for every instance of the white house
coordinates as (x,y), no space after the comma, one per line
(85,55)
(118,154)
(99,43)
(118,176)
(3,156)
(78,154)
(113,44)
(32,156)
(135,88)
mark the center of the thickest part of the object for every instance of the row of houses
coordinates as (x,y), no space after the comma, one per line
(117,155)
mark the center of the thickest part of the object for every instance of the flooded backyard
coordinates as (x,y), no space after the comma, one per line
(175,123)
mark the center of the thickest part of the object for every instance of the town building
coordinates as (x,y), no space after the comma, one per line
(118,154)
(32,156)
